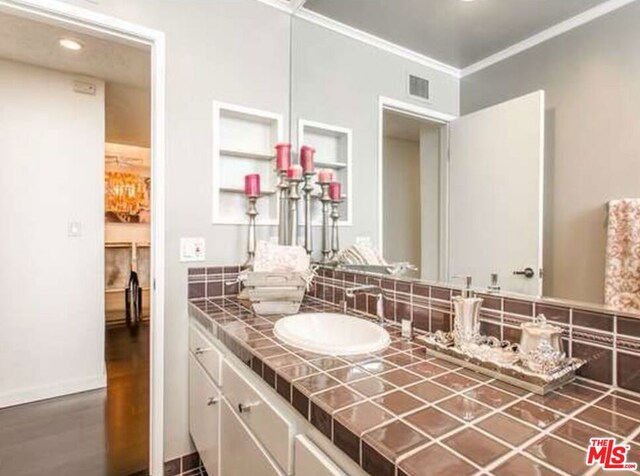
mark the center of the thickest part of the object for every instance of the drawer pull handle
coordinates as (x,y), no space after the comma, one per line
(244,408)
(212,401)
(201,350)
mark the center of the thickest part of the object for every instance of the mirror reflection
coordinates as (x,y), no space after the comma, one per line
(517,182)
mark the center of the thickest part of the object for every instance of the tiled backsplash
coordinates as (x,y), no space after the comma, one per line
(610,342)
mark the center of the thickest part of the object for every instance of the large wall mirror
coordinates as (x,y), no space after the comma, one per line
(505,175)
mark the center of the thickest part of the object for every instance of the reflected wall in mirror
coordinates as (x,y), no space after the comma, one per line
(507,170)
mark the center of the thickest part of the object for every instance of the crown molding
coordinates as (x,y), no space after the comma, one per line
(297,5)
(549,33)
(375,41)
(282,5)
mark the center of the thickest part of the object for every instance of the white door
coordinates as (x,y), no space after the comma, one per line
(495,194)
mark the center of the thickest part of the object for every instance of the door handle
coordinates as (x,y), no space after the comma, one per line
(212,401)
(526,272)
(245,408)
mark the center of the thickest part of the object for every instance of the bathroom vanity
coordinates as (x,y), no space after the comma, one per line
(261,407)
(237,421)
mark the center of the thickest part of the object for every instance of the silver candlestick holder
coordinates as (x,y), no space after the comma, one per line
(294,196)
(326,212)
(308,227)
(283,207)
(252,213)
(335,238)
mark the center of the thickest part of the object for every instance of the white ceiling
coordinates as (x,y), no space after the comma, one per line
(454,32)
(36,43)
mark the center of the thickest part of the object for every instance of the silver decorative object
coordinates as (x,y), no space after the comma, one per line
(504,361)
(283,207)
(308,226)
(335,238)
(326,211)
(252,212)
(292,221)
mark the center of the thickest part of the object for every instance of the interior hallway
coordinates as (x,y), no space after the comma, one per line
(104,432)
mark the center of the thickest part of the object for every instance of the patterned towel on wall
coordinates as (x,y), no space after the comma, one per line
(622,272)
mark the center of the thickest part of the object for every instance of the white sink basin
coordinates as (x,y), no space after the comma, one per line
(331,334)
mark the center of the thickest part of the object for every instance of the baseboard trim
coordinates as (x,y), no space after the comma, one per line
(45,392)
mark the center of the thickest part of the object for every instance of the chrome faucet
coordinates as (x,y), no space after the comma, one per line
(371,289)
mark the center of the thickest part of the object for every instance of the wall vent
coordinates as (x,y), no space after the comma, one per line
(419,87)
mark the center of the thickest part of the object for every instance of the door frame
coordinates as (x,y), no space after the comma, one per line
(427,114)
(97,24)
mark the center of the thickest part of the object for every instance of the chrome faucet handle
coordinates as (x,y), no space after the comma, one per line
(380,308)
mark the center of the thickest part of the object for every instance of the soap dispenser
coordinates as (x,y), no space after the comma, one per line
(466,324)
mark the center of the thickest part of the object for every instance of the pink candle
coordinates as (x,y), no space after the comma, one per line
(306,158)
(334,191)
(252,185)
(283,156)
(295,172)
(325,176)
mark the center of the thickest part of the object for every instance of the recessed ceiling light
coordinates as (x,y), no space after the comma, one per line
(70,44)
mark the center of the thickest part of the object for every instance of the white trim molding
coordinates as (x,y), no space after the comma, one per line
(93,23)
(549,33)
(297,9)
(376,41)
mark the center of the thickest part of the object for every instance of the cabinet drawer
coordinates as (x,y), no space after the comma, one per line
(267,424)
(312,461)
(204,415)
(203,349)
(241,454)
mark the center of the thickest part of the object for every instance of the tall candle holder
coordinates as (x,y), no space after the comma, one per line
(326,211)
(294,196)
(283,205)
(308,228)
(252,213)
(335,238)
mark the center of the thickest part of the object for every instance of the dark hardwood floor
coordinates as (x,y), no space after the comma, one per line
(101,433)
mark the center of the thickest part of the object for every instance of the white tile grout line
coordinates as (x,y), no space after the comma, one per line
(513,450)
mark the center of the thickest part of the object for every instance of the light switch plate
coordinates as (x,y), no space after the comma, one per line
(74,229)
(192,249)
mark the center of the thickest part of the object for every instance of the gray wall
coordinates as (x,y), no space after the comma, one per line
(590,76)
(338,80)
(233,51)
(430,191)
(401,201)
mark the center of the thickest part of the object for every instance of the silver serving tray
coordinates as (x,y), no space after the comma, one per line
(512,372)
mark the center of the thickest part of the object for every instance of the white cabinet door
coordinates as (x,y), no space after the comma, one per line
(241,453)
(496,163)
(311,461)
(204,416)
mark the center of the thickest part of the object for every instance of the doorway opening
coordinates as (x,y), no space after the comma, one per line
(77,141)
(413,187)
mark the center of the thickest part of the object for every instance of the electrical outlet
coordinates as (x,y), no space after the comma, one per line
(192,249)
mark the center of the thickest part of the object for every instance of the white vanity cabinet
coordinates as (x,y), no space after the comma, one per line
(204,415)
(243,427)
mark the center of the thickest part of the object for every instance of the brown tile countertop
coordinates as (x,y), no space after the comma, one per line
(403,412)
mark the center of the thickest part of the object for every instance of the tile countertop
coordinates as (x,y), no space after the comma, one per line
(401,411)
